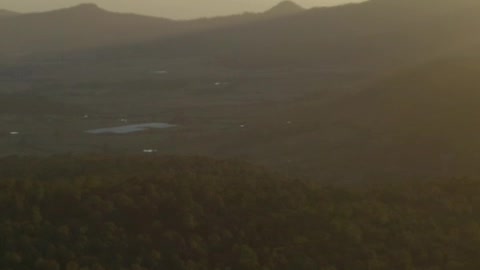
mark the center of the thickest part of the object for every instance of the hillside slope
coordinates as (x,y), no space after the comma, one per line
(420,123)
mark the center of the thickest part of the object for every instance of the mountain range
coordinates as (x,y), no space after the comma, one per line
(88,26)
(376,34)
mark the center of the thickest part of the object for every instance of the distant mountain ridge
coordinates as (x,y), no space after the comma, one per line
(372,33)
(7,13)
(83,9)
(368,33)
(88,26)
(82,26)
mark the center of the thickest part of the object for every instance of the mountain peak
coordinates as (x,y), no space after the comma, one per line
(85,8)
(285,8)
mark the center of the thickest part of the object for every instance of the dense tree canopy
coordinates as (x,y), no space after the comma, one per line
(194,213)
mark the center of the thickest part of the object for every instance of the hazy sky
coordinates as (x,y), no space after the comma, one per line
(164,8)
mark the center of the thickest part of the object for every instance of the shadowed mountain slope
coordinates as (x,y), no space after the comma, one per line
(420,123)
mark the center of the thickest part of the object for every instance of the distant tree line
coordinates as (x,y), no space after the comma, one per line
(79,213)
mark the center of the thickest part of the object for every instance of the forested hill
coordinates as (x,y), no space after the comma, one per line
(193,213)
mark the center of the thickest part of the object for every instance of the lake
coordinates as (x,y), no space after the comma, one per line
(130,128)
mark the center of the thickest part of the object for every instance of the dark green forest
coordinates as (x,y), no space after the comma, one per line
(179,213)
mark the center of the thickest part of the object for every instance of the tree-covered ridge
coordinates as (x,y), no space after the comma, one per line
(194,213)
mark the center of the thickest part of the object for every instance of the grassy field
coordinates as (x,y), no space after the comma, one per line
(218,112)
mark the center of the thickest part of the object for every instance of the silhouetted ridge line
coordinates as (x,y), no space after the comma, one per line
(285,8)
